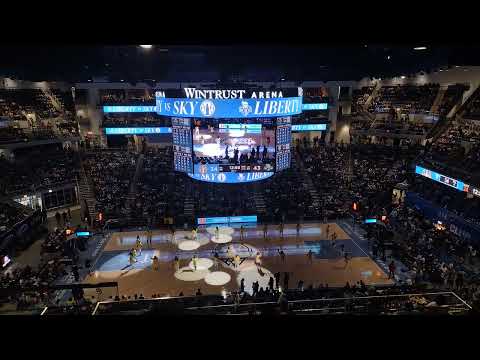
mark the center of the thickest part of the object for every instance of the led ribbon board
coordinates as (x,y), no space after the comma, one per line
(309,127)
(227,220)
(211,173)
(250,128)
(152,108)
(130,109)
(230,108)
(138,130)
(445,180)
(319,106)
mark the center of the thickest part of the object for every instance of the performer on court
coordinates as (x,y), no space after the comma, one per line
(298,229)
(282,256)
(242,233)
(230,253)
(281,229)
(176,263)
(194,234)
(217,232)
(258,260)
(138,245)
(265,231)
(132,257)
(172,234)
(347,259)
(194,262)
(155,263)
(236,261)
(216,259)
(310,256)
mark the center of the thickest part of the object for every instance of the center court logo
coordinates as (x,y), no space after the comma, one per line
(245,109)
(207,108)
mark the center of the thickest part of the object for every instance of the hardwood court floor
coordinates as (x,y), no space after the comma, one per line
(326,267)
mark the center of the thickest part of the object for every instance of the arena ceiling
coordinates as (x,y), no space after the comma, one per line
(242,62)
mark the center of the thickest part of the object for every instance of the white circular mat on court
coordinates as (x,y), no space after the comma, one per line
(189,245)
(227,230)
(187,274)
(221,239)
(183,235)
(202,264)
(217,278)
(251,274)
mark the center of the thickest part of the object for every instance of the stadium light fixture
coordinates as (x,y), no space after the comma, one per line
(403,76)
(420,48)
(146,46)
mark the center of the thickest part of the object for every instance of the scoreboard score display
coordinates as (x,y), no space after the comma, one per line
(182,145)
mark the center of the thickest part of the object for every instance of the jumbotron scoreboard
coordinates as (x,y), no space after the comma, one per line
(230,135)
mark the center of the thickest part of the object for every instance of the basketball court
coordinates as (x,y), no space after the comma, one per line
(326,266)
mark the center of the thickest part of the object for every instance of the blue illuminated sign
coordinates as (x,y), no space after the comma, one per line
(309,127)
(319,106)
(227,220)
(138,130)
(210,173)
(129,109)
(83,233)
(370,221)
(153,108)
(445,180)
(229,108)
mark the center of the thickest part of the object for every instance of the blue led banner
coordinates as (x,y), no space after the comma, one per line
(153,108)
(129,109)
(230,108)
(370,221)
(211,173)
(138,130)
(227,220)
(168,130)
(309,127)
(319,106)
(445,180)
(83,233)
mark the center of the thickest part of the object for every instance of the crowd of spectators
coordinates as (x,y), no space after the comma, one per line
(127,97)
(111,173)
(11,214)
(18,101)
(453,94)
(359,98)
(343,175)
(435,254)
(38,167)
(472,110)
(409,99)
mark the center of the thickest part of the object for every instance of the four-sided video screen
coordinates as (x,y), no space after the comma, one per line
(235,146)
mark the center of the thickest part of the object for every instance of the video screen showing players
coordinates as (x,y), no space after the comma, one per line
(235,146)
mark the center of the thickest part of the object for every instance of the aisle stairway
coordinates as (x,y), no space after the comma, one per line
(438,100)
(299,166)
(132,194)
(188,206)
(53,100)
(86,194)
(260,203)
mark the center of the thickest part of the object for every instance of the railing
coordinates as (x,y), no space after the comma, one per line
(415,303)
(379,304)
